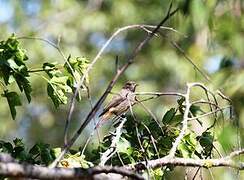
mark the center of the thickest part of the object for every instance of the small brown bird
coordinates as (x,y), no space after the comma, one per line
(120,102)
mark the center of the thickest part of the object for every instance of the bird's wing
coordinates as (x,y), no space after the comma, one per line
(116,100)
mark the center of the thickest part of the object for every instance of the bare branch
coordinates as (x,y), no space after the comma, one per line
(112,149)
(38,172)
(173,43)
(206,163)
(205,102)
(184,122)
(4,157)
(152,139)
(155,95)
(160,94)
(14,169)
(209,113)
(235,153)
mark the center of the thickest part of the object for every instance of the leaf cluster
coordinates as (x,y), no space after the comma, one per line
(13,69)
(148,139)
(40,153)
(62,79)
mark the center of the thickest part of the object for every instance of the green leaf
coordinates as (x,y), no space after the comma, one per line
(44,152)
(24,84)
(123,146)
(75,68)
(206,141)
(157,173)
(76,160)
(78,64)
(177,119)
(13,101)
(157,132)
(188,145)
(19,150)
(180,101)
(56,152)
(57,88)
(169,115)
(51,69)
(18,142)
(181,106)
(12,66)
(6,147)
(195,109)
(226,63)
(46,155)
(34,150)
(184,150)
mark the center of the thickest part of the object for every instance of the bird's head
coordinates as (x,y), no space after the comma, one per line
(130,85)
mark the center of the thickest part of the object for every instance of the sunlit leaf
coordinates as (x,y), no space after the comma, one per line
(57,88)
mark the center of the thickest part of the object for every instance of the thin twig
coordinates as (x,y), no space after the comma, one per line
(155,95)
(205,102)
(152,139)
(209,113)
(139,136)
(173,43)
(160,94)
(151,113)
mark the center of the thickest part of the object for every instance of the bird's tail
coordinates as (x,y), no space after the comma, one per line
(106,116)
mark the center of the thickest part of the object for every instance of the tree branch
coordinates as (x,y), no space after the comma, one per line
(38,172)
(184,122)
(10,168)
(206,163)
(112,149)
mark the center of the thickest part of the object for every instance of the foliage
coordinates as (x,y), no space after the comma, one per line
(75,160)
(153,141)
(209,32)
(13,69)
(40,153)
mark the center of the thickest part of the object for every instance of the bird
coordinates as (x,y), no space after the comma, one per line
(119,103)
